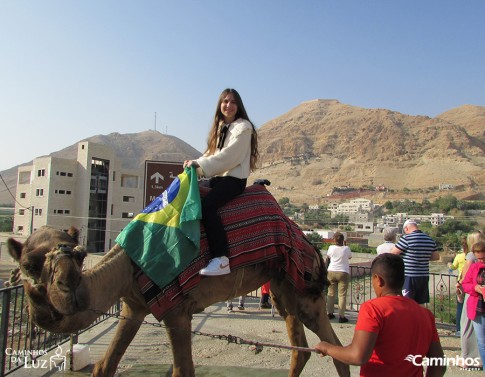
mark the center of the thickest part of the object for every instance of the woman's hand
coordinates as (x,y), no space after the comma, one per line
(189,163)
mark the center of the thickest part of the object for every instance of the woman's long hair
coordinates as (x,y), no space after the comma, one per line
(219,119)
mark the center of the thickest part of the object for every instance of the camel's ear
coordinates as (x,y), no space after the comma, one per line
(14,249)
(74,233)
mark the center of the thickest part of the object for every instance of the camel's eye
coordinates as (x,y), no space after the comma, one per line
(32,264)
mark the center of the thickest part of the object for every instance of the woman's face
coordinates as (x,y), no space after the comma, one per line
(229,108)
(480,256)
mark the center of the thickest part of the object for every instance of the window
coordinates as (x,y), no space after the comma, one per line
(38,211)
(63,173)
(21,212)
(39,192)
(127,215)
(23,195)
(128,199)
(24,177)
(67,211)
(69,174)
(41,173)
(130,181)
(68,192)
(20,228)
(62,192)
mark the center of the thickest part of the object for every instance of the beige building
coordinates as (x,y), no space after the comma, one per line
(354,206)
(91,193)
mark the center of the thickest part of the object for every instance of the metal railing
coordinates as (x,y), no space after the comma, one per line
(20,340)
(441,290)
(19,335)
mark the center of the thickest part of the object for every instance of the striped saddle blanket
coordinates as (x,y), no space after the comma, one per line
(258,231)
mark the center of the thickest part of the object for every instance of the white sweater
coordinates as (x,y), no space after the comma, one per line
(234,158)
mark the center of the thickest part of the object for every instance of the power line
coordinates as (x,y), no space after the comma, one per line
(13,196)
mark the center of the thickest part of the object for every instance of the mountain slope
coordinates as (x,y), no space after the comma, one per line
(343,145)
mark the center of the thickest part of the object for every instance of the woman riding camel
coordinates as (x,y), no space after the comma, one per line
(232,153)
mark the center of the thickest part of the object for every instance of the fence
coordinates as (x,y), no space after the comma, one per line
(20,340)
(18,335)
(441,289)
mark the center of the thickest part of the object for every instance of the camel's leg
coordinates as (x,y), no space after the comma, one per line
(179,331)
(125,332)
(285,301)
(312,312)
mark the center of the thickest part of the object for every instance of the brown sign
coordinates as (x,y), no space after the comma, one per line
(158,176)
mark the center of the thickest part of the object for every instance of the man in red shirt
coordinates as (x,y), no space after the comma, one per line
(394,336)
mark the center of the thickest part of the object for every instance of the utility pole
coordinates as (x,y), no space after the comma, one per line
(155,120)
(31,219)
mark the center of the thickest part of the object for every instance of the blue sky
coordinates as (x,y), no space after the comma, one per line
(73,69)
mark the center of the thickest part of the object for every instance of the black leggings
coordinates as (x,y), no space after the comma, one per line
(223,190)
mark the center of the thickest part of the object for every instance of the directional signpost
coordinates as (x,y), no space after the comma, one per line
(158,176)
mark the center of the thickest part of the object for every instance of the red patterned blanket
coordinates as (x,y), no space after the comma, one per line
(257,231)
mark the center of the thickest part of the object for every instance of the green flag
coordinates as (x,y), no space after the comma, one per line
(164,238)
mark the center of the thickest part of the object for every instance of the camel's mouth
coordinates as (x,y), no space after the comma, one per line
(59,290)
(43,313)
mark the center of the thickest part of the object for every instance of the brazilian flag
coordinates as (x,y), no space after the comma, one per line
(164,238)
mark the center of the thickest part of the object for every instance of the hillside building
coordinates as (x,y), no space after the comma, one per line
(399,218)
(91,193)
(354,206)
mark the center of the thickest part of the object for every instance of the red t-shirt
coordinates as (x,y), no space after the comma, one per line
(405,330)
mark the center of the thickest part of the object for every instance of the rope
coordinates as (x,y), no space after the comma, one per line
(229,338)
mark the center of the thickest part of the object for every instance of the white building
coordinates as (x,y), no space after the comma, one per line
(399,218)
(91,193)
(354,206)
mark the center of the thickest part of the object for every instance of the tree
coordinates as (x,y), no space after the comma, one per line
(284,201)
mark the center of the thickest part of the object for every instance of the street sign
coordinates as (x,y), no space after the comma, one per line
(158,176)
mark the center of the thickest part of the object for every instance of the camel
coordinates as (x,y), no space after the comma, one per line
(64,299)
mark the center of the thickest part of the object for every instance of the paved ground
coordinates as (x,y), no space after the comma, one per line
(149,354)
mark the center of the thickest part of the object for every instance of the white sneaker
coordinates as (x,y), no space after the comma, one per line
(217,266)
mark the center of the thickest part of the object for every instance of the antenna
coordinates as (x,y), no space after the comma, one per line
(155,120)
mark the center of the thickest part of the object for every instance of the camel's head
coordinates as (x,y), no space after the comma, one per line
(51,261)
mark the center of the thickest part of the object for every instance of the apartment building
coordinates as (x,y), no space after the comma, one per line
(91,193)
(354,206)
(399,218)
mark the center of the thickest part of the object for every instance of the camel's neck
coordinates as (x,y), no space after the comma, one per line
(106,282)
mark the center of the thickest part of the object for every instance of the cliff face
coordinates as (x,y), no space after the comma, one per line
(323,144)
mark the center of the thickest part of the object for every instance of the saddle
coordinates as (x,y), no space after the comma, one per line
(258,232)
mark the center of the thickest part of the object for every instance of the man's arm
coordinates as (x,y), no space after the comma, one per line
(356,353)
(435,350)
(396,251)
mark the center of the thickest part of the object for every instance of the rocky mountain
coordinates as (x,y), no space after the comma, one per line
(323,144)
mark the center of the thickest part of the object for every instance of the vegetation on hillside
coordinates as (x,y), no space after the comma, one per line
(448,235)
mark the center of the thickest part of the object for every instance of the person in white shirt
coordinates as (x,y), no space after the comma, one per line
(389,238)
(232,153)
(338,274)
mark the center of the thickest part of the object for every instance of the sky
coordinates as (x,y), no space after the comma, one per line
(74,69)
